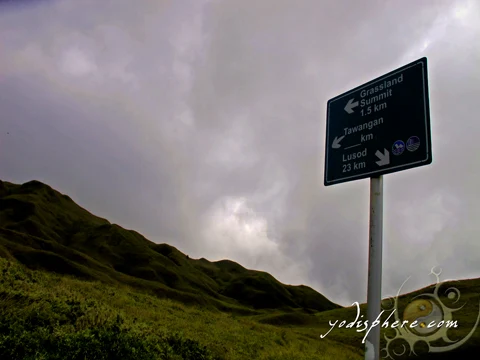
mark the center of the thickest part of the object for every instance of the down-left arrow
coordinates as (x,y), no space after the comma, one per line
(336,142)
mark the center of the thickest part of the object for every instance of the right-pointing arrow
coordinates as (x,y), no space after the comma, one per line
(350,105)
(384,157)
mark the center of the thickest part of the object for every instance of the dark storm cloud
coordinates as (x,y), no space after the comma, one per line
(202,124)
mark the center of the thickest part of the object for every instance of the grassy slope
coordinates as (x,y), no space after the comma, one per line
(47,230)
(60,317)
(465,317)
(134,283)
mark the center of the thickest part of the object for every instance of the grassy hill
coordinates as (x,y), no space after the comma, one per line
(44,229)
(75,286)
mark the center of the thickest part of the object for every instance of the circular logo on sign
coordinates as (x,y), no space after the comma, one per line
(398,147)
(413,143)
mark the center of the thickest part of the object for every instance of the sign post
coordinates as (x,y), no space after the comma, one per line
(378,128)
(374,294)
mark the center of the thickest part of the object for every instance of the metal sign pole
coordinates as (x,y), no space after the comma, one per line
(374,294)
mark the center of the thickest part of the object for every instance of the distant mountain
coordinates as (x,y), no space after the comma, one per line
(45,229)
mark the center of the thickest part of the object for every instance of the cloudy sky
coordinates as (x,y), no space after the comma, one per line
(202,124)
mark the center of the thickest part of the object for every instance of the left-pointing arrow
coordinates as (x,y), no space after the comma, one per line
(351,104)
(336,142)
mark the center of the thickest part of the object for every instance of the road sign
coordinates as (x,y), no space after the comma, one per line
(380,127)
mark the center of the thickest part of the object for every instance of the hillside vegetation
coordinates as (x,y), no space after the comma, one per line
(44,229)
(48,316)
(75,286)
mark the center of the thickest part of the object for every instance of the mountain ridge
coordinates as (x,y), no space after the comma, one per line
(44,229)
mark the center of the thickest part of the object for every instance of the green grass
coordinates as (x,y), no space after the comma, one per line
(469,302)
(49,316)
(75,286)
(44,229)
